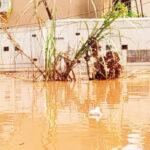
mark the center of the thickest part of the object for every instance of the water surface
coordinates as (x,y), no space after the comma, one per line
(55,115)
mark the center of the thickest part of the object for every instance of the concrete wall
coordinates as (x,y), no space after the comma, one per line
(30,40)
(69,34)
(134,34)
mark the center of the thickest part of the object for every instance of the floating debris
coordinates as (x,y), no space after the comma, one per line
(95,114)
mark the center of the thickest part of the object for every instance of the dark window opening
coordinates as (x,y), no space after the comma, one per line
(124,47)
(77,34)
(6,49)
(35,59)
(108,47)
(33,35)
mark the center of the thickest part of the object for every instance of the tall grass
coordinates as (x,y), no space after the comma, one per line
(53,61)
(50,52)
(98,34)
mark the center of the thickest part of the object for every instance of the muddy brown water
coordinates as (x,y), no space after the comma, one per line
(56,115)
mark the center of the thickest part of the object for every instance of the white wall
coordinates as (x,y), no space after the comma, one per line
(135,33)
(11,60)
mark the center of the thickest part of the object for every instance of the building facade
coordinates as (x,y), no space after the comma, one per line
(69,33)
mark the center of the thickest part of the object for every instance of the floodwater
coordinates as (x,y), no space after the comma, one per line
(56,115)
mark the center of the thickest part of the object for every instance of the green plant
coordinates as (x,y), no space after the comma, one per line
(97,34)
(50,51)
(132,14)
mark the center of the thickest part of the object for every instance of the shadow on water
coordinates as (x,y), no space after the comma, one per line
(56,115)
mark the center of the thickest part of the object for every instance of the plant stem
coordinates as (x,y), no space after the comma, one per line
(47,9)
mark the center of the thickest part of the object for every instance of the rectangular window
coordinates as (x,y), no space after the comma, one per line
(78,33)
(33,35)
(6,49)
(124,47)
(35,59)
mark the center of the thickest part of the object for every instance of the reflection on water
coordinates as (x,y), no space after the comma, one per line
(57,115)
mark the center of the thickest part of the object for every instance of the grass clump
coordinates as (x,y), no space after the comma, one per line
(98,34)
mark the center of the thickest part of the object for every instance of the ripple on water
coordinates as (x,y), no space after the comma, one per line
(55,115)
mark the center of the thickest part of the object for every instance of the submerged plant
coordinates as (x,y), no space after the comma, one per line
(97,34)
(106,65)
(60,66)
(50,51)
